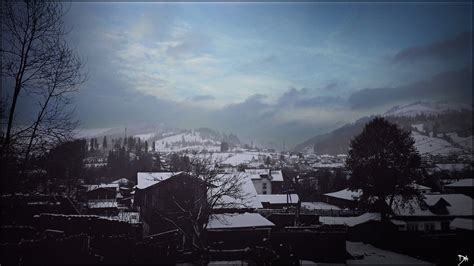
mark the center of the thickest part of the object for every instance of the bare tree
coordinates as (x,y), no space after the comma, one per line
(42,67)
(221,192)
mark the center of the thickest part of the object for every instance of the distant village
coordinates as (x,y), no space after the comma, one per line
(136,204)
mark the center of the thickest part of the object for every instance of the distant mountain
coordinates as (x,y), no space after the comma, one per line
(165,138)
(438,128)
(428,108)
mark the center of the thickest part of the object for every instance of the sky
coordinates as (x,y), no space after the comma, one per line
(270,72)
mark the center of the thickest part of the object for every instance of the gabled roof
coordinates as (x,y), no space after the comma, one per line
(456,205)
(277,175)
(250,200)
(351,220)
(238,221)
(468,182)
(147,179)
(461,223)
(345,194)
(279,198)
(99,186)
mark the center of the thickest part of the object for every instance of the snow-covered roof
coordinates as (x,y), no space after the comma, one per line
(345,194)
(99,204)
(278,198)
(318,206)
(462,223)
(351,220)
(240,158)
(459,205)
(468,182)
(146,179)
(250,198)
(256,173)
(239,220)
(371,255)
(277,175)
(121,181)
(94,187)
(327,165)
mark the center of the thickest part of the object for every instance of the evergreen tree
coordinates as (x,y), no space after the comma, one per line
(224,146)
(104,143)
(384,164)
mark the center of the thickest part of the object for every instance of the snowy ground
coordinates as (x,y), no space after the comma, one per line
(434,146)
(144,137)
(376,256)
(189,141)
(465,142)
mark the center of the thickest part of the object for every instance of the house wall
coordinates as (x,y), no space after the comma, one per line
(160,200)
(422,226)
(277,187)
(262,185)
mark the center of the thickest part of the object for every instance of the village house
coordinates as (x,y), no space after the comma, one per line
(160,197)
(266,181)
(279,201)
(435,213)
(463,186)
(343,199)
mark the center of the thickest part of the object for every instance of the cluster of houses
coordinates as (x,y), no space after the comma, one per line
(158,200)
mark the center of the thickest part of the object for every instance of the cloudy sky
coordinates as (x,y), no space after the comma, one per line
(279,72)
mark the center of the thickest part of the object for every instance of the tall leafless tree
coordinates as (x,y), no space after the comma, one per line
(39,64)
(223,192)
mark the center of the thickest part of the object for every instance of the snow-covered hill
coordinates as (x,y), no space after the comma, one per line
(190,140)
(440,128)
(427,108)
(434,146)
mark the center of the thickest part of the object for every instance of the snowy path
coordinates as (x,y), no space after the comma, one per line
(373,255)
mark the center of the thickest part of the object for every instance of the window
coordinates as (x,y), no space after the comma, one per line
(264,192)
(412,227)
(429,227)
(264,185)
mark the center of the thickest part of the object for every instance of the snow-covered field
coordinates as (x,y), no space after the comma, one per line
(465,142)
(240,158)
(186,141)
(434,146)
(90,132)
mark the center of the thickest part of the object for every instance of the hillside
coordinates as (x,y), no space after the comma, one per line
(198,140)
(437,127)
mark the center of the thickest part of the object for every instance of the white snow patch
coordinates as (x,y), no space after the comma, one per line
(463,223)
(373,255)
(239,220)
(146,179)
(468,182)
(434,146)
(345,194)
(351,220)
(318,206)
